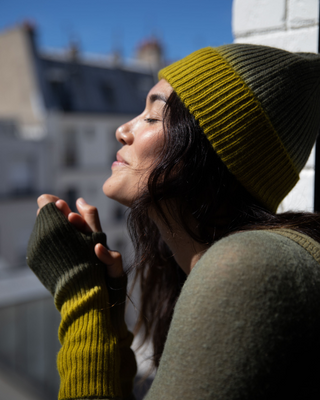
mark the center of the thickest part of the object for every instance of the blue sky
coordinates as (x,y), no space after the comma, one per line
(104,25)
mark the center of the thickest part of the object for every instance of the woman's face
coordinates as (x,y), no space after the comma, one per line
(142,139)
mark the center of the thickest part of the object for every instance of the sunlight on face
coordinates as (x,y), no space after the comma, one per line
(142,138)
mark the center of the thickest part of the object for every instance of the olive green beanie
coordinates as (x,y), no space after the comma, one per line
(258,106)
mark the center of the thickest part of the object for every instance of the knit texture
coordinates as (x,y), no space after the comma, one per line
(246,325)
(93,334)
(258,106)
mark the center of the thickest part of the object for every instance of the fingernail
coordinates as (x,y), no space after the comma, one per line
(59,203)
(82,201)
(105,251)
(102,248)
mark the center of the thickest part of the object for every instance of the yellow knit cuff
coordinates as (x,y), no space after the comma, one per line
(89,360)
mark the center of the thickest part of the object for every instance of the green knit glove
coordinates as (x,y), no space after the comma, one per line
(59,254)
(64,260)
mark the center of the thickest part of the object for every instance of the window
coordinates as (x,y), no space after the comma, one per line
(70,149)
(21,176)
(61,95)
(70,197)
(108,95)
(58,83)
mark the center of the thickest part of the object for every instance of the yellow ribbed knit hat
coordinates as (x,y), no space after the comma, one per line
(258,106)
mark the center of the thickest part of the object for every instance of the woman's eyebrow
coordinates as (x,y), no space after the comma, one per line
(157,96)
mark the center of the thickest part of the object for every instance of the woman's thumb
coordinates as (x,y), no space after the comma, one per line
(112,260)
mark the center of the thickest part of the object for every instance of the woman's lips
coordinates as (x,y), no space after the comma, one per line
(120,161)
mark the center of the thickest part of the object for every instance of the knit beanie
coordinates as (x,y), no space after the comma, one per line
(258,106)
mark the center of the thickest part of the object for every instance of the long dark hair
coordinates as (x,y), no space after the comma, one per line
(189,175)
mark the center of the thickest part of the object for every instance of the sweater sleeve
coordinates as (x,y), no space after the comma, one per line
(95,360)
(246,325)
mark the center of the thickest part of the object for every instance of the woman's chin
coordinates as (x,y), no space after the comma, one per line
(110,189)
(114,192)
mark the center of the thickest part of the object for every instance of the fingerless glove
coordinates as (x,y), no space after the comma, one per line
(92,332)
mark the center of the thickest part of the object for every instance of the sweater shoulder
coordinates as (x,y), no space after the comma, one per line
(278,248)
(259,260)
(250,294)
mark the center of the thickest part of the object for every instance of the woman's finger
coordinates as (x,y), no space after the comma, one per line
(78,221)
(75,219)
(112,260)
(45,199)
(90,215)
(63,207)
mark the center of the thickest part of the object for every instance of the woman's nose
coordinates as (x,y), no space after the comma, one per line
(124,133)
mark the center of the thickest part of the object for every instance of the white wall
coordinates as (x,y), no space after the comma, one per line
(291,25)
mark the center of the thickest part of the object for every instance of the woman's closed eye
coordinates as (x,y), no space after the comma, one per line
(151,120)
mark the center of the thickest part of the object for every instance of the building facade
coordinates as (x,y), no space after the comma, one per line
(58,117)
(65,108)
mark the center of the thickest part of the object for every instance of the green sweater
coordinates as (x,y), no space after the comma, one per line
(246,325)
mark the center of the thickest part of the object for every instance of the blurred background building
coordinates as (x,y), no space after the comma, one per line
(58,116)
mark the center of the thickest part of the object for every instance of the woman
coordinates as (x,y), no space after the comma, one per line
(221,142)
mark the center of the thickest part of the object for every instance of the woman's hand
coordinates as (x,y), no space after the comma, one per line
(87,221)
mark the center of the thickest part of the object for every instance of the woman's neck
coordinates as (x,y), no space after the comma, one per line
(186,251)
